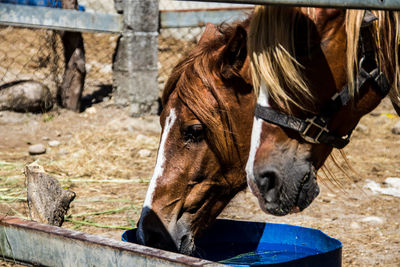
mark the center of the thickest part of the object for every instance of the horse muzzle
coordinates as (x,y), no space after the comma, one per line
(153,233)
(280,195)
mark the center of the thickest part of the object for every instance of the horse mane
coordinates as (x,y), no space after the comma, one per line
(204,66)
(272,55)
(273,60)
(387,32)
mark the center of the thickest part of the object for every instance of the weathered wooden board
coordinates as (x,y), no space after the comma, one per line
(41,244)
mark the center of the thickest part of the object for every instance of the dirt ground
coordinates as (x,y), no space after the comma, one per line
(107,158)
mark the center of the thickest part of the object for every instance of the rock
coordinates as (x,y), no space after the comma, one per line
(54,143)
(391,188)
(144,153)
(63,152)
(393,182)
(45,138)
(362,128)
(37,149)
(373,220)
(91,110)
(25,96)
(396,128)
(355,225)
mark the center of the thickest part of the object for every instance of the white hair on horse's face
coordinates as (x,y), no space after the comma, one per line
(262,100)
(159,169)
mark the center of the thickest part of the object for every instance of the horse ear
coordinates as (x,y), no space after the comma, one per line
(234,54)
(209,33)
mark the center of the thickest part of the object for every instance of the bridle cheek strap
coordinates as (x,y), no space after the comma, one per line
(304,127)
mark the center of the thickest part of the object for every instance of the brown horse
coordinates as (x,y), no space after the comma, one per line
(319,71)
(208,105)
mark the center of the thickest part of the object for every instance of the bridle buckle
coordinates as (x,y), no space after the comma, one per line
(314,123)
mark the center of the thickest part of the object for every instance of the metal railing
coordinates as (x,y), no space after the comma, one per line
(356,4)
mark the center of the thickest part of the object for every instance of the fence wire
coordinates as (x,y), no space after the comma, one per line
(173,46)
(32,54)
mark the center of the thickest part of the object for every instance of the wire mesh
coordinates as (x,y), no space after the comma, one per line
(30,54)
(38,54)
(175,44)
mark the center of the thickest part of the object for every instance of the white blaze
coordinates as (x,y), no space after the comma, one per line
(159,169)
(256,134)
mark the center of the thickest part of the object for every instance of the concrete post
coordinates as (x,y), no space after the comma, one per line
(135,63)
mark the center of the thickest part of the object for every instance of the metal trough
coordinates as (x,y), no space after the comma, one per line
(34,243)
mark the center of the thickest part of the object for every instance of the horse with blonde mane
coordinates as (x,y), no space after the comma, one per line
(316,73)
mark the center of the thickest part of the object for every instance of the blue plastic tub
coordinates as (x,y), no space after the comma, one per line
(240,243)
(45,3)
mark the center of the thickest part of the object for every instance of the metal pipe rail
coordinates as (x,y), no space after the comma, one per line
(354,4)
(199,17)
(59,19)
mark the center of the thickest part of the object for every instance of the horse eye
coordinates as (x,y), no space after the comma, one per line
(194,133)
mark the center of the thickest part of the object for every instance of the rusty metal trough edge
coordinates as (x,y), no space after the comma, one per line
(46,245)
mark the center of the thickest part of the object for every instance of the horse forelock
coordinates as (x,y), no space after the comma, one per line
(272,55)
(198,71)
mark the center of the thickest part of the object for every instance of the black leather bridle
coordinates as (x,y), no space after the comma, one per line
(315,130)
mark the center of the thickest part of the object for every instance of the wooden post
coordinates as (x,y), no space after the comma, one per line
(135,63)
(70,93)
(48,202)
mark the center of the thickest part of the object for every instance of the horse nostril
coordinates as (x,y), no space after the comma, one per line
(268,182)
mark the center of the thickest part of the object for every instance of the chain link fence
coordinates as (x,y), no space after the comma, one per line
(30,54)
(99,50)
(37,54)
(175,44)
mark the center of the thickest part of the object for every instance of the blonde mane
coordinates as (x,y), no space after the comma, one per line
(271,50)
(273,60)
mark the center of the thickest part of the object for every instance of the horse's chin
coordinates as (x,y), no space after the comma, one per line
(188,248)
(305,196)
(184,238)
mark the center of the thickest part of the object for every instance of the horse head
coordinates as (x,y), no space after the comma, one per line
(208,105)
(319,71)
